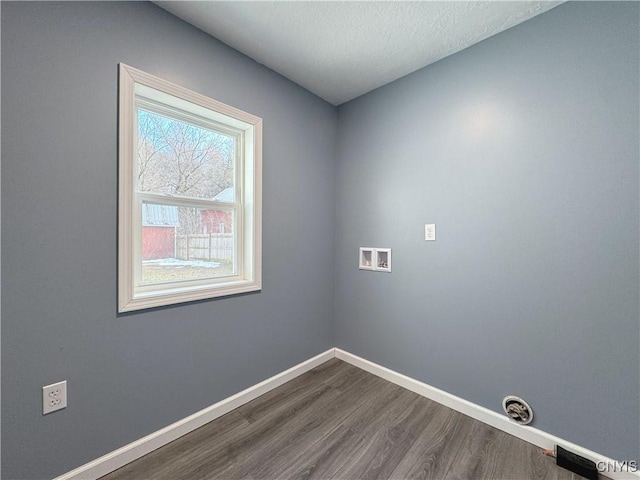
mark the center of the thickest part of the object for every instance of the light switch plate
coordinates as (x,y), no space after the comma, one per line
(430,232)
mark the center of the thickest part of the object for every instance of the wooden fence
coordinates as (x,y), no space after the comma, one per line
(214,246)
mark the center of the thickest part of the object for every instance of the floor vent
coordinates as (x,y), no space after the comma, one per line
(517,409)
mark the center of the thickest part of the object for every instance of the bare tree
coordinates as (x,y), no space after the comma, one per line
(178,158)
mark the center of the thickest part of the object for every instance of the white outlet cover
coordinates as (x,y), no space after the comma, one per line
(430,232)
(54,397)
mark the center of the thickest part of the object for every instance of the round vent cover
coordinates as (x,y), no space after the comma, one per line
(517,409)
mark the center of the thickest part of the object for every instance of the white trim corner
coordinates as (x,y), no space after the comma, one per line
(128,453)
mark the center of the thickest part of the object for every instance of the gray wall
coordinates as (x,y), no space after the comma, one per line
(524,151)
(131,375)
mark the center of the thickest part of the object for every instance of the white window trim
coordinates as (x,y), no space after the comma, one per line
(131,297)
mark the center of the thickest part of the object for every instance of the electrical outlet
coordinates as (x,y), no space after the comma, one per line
(54,397)
(430,232)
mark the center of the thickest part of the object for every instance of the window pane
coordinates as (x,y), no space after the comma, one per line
(178,158)
(186,243)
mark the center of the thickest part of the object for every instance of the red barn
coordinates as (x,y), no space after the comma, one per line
(159,224)
(218,221)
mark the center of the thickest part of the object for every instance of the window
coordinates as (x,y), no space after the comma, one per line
(189,195)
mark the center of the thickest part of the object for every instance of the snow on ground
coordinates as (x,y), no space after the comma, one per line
(174,262)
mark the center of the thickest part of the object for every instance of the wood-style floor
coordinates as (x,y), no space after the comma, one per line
(340,422)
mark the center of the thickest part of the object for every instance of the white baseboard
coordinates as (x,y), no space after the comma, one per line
(118,458)
(501,422)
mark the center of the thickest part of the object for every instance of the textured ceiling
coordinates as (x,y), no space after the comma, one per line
(340,50)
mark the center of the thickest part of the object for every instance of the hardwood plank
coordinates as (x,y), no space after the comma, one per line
(471,439)
(265,404)
(422,459)
(524,460)
(167,461)
(288,432)
(432,454)
(340,422)
(311,434)
(216,454)
(388,441)
(257,437)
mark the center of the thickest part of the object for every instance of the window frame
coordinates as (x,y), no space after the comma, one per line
(138,87)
